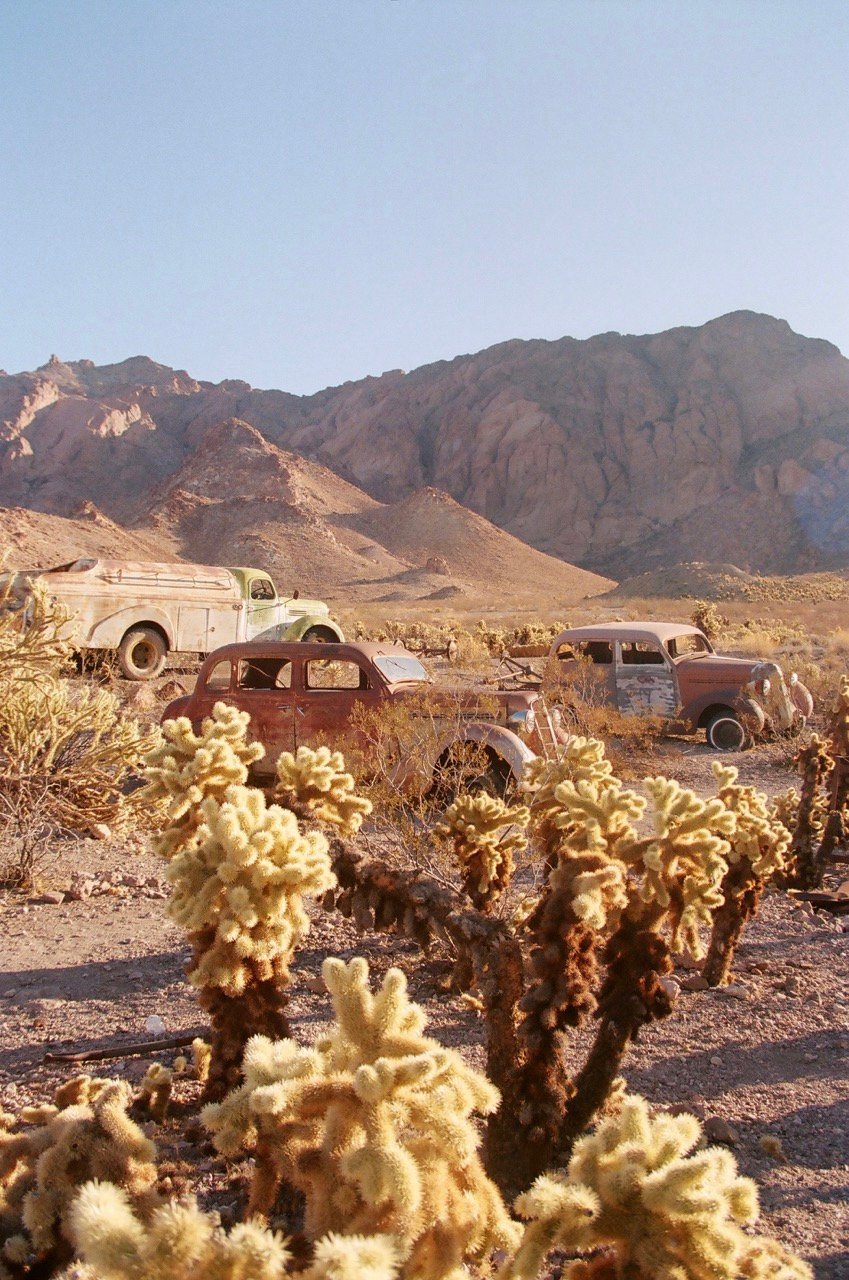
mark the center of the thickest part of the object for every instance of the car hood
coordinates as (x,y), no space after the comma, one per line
(716,669)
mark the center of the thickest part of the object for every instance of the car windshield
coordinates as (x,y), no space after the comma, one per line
(688,645)
(399,668)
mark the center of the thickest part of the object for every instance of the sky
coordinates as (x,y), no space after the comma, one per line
(303,192)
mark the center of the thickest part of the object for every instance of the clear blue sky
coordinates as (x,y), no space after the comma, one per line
(299,192)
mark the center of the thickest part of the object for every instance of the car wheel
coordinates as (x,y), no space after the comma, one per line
(142,653)
(469,769)
(725,731)
(320,635)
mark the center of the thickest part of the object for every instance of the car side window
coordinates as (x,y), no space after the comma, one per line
(265,673)
(639,653)
(261,589)
(597,651)
(219,676)
(331,673)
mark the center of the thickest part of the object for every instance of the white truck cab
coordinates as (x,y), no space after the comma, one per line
(145,611)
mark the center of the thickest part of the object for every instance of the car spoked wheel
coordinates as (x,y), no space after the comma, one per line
(725,731)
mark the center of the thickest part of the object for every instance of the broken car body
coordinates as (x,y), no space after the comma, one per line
(671,670)
(298,694)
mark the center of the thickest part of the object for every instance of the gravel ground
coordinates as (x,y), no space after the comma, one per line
(768,1056)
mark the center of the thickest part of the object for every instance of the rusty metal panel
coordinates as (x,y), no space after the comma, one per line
(646,691)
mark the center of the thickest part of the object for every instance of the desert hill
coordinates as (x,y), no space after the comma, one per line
(723,442)
(310,528)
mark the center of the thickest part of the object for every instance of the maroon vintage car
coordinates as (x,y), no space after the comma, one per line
(669,669)
(299,693)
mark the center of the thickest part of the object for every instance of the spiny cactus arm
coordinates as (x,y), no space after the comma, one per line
(186,768)
(558,1215)
(316,782)
(178,1242)
(339,1257)
(758,851)
(486,833)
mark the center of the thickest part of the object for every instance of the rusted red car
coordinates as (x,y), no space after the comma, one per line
(301,692)
(670,669)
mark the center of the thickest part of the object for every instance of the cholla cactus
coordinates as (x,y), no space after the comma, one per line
(187,767)
(682,863)
(156,1090)
(638,1191)
(238,891)
(316,782)
(87,1134)
(580,760)
(758,849)
(487,833)
(180,1242)
(373,1124)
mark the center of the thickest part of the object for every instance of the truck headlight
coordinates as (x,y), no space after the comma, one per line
(793,678)
(765,685)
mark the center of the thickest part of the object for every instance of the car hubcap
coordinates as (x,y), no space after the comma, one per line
(727,734)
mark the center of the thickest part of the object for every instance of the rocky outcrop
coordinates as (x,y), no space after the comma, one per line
(728,441)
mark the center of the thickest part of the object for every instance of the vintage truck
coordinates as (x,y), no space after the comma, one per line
(670,670)
(300,694)
(144,611)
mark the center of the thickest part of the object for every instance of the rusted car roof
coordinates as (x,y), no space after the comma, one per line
(369,649)
(660,631)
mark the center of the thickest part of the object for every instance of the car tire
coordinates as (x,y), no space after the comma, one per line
(142,653)
(725,731)
(320,635)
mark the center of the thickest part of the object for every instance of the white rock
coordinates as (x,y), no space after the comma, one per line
(154,1025)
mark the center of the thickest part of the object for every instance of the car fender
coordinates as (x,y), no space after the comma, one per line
(108,632)
(507,745)
(297,630)
(750,711)
(802,699)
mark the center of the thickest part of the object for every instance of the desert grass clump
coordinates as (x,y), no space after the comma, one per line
(373,1125)
(640,1200)
(85,1134)
(238,890)
(316,783)
(757,852)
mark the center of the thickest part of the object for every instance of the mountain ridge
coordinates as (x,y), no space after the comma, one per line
(726,441)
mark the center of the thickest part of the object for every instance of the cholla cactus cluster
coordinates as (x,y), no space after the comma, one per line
(317,783)
(180,1243)
(239,870)
(757,852)
(238,890)
(187,767)
(645,1203)
(486,834)
(86,1134)
(373,1125)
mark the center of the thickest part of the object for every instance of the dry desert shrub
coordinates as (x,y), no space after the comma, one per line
(66,749)
(708,619)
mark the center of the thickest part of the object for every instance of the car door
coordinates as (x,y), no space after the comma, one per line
(264,688)
(645,679)
(330,689)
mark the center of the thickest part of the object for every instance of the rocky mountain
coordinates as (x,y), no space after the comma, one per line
(723,442)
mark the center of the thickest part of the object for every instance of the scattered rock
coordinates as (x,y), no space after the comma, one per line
(719,1130)
(53,897)
(694,982)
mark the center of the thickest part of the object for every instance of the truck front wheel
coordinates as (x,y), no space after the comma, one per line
(142,653)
